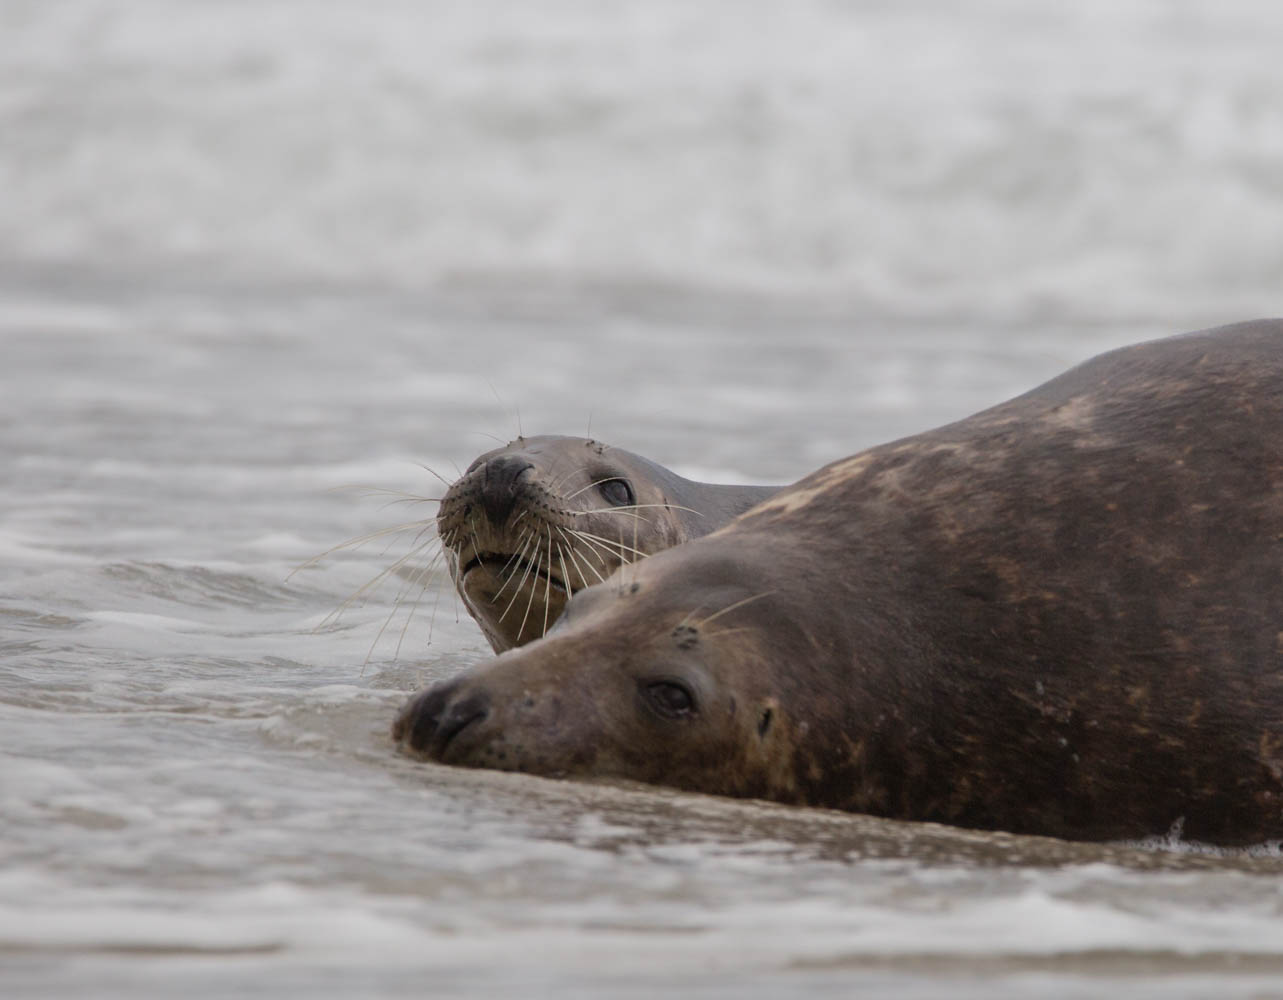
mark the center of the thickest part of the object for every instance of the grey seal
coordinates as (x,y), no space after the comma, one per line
(1062,615)
(533,522)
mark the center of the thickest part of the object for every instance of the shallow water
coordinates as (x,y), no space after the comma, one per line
(259,255)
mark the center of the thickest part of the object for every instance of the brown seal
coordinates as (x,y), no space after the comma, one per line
(1062,615)
(529,524)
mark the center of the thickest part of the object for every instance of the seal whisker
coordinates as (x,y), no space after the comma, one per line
(618,548)
(521,540)
(406,498)
(690,616)
(574,558)
(370,585)
(398,496)
(555,480)
(433,472)
(636,506)
(547,586)
(373,490)
(612,510)
(516,593)
(423,573)
(597,482)
(373,583)
(731,607)
(359,540)
(565,576)
(718,633)
(597,545)
(530,600)
(516,557)
(624,563)
(419,575)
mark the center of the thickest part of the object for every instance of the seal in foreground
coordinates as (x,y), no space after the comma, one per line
(531,523)
(1062,615)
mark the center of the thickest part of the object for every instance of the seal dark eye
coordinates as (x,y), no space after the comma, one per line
(617,492)
(671,699)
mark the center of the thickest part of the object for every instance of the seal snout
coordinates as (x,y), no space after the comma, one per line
(434,719)
(499,486)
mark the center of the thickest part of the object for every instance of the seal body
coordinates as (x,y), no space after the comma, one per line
(529,524)
(1062,616)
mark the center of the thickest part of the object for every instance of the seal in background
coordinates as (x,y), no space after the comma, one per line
(541,518)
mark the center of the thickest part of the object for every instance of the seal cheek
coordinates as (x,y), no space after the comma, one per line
(769,751)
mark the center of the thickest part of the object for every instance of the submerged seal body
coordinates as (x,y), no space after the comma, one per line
(1062,615)
(531,523)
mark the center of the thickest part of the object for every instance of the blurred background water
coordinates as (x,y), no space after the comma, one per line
(253,252)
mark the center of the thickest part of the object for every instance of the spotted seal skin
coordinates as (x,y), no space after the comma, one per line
(1062,616)
(541,518)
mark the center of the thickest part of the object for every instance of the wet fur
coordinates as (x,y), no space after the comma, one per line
(1063,615)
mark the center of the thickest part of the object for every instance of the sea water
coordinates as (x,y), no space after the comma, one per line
(264,262)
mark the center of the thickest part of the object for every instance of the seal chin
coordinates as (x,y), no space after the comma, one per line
(513,599)
(492,571)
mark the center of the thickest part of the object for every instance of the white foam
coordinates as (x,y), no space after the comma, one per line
(1084,160)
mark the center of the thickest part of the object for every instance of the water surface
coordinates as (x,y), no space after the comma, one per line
(258,254)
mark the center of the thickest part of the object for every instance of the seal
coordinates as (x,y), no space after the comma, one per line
(529,524)
(1062,615)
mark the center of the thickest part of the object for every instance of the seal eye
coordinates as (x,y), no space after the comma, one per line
(670,699)
(617,492)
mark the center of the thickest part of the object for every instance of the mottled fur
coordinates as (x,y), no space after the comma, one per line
(1062,615)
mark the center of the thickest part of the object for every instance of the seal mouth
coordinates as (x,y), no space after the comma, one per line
(505,565)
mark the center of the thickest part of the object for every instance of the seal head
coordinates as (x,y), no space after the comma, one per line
(541,518)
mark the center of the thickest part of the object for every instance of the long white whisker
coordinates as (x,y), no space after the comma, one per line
(417,576)
(565,577)
(371,490)
(598,482)
(524,576)
(583,566)
(373,583)
(360,540)
(530,603)
(547,594)
(610,510)
(636,506)
(523,543)
(598,546)
(434,472)
(420,576)
(616,547)
(737,604)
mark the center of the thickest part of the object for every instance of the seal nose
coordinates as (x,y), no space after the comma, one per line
(431,720)
(499,486)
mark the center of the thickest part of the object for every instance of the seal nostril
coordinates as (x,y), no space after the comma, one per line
(418,720)
(423,728)
(499,486)
(764,723)
(458,717)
